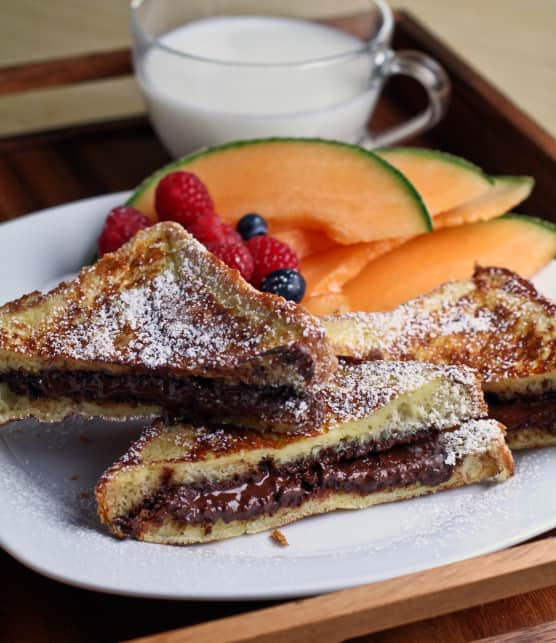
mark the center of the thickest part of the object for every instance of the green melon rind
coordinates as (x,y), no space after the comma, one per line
(528,181)
(180,163)
(525,218)
(514,179)
(437,154)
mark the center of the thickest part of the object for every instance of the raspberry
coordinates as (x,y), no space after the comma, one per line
(270,254)
(209,228)
(121,224)
(232,235)
(235,255)
(182,197)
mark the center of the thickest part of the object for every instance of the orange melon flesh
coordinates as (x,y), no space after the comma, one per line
(503,196)
(444,181)
(327,272)
(327,304)
(343,190)
(520,243)
(304,242)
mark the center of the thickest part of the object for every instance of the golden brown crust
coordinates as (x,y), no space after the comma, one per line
(162,303)
(496,462)
(530,438)
(496,322)
(279,538)
(18,407)
(353,392)
(373,400)
(170,454)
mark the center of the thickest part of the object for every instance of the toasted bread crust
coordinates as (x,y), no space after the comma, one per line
(493,462)
(531,437)
(163,303)
(354,391)
(496,322)
(192,455)
(19,407)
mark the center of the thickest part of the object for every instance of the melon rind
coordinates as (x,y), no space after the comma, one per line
(443,180)
(506,193)
(400,195)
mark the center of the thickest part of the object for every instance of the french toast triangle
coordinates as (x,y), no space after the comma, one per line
(496,323)
(160,325)
(392,431)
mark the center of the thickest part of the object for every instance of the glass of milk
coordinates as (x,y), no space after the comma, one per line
(213,71)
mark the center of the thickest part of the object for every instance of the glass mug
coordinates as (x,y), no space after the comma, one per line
(213,71)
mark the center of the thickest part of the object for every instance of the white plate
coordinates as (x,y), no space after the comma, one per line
(49,522)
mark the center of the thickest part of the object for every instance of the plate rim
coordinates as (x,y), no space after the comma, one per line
(305,588)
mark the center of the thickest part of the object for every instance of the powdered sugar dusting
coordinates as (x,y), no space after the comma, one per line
(473,437)
(496,322)
(348,547)
(159,324)
(169,304)
(358,390)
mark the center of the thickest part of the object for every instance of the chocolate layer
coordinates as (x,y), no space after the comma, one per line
(272,487)
(194,398)
(522,413)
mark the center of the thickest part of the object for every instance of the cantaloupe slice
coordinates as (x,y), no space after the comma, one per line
(328,271)
(443,180)
(304,242)
(345,191)
(503,196)
(327,266)
(327,304)
(522,244)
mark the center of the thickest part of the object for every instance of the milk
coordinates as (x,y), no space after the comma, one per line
(262,85)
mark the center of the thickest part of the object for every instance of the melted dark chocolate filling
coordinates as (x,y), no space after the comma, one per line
(193,397)
(272,487)
(520,413)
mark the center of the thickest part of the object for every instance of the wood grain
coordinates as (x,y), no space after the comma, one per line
(539,633)
(379,606)
(483,124)
(41,170)
(64,71)
(498,617)
(57,166)
(512,43)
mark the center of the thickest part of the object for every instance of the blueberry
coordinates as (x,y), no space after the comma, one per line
(286,282)
(251,225)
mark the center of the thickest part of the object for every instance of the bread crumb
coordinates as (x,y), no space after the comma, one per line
(84,439)
(279,538)
(74,477)
(85,494)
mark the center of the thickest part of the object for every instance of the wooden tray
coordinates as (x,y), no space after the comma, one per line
(47,168)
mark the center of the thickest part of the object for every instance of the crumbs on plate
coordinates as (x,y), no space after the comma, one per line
(279,538)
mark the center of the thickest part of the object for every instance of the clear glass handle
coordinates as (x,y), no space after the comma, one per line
(436,83)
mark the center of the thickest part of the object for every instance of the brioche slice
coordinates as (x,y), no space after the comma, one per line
(445,394)
(149,325)
(181,484)
(382,424)
(496,323)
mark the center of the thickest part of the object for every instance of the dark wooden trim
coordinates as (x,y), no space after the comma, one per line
(46,168)
(64,71)
(546,632)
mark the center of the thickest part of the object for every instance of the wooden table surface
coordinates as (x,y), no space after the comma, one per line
(511,41)
(33,608)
